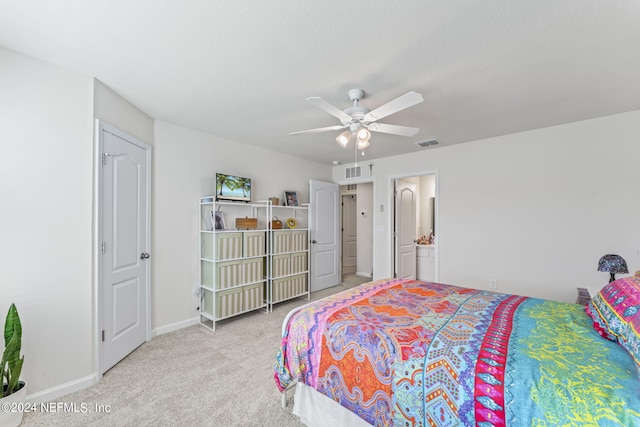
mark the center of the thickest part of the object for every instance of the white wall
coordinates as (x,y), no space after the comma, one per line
(117,111)
(185,164)
(534,210)
(46,129)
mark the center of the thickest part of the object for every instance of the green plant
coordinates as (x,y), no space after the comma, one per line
(11,364)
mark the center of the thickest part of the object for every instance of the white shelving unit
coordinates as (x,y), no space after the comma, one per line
(288,255)
(233,262)
(242,270)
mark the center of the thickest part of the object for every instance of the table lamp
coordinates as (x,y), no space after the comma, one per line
(612,264)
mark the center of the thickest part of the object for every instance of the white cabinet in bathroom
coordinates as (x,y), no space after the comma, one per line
(426,259)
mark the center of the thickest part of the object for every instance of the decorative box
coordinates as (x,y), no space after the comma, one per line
(246,222)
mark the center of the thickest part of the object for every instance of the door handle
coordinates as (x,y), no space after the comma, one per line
(144,255)
(314,241)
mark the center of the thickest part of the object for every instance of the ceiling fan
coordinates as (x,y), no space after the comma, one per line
(361,121)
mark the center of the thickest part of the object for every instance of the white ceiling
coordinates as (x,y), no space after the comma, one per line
(242,69)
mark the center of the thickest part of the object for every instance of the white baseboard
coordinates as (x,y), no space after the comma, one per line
(62,390)
(175,326)
(56,392)
(361,274)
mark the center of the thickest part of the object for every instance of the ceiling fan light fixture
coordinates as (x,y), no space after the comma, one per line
(363,135)
(361,121)
(362,144)
(344,138)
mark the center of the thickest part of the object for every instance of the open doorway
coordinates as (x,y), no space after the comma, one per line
(415,227)
(357,231)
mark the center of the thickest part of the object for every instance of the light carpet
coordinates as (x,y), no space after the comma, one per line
(192,377)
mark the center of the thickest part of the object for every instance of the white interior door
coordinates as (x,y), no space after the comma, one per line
(124,281)
(324,234)
(405,227)
(349,234)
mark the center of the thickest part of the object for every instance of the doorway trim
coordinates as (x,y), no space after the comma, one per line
(391,185)
(99,126)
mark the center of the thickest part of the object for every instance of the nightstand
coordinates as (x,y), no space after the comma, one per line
(583,296)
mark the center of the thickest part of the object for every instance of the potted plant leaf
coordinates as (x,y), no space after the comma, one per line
(13,390)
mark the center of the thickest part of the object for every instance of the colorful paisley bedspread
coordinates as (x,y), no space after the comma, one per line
(405,352)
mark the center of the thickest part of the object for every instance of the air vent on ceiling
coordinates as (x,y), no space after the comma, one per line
(427,143)
(353,172)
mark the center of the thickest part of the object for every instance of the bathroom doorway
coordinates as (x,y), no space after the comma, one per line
(415,227)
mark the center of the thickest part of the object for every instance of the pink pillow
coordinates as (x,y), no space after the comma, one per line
(615,311)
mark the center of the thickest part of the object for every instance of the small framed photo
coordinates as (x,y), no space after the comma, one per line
(291,198)
(217,220)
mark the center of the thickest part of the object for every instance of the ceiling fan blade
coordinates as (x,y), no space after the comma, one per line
(329,108)
(317,130)
(405,101)
(393,129)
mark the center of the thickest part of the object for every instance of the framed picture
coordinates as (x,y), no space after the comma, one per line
(291,198)
(217,220)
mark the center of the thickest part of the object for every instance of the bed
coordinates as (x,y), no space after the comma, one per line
(408,352)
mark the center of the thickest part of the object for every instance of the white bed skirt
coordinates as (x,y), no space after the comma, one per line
(317,410)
